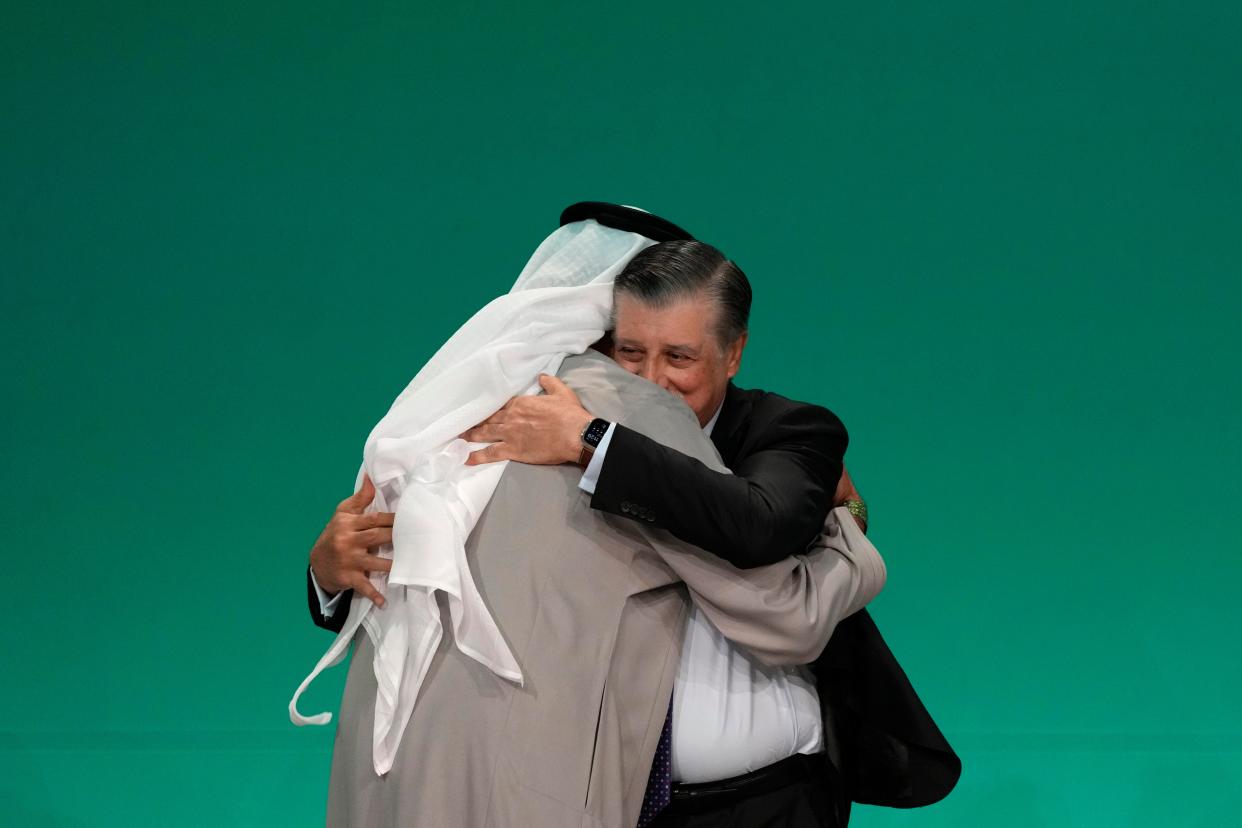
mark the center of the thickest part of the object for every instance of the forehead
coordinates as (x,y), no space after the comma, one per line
(688,320)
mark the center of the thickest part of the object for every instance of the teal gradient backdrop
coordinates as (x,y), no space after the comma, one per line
(1001,241)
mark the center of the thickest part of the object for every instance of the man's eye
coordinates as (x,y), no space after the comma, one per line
(678,357)
(630,352)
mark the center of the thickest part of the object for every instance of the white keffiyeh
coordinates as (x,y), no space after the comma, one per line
(559,305)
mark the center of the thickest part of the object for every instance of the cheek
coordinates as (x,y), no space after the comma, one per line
(689,384)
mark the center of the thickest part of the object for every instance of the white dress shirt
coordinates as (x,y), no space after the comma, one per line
(731,713)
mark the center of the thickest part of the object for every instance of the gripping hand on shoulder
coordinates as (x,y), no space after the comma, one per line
(543,429)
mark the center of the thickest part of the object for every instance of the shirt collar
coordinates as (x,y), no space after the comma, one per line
(707,429)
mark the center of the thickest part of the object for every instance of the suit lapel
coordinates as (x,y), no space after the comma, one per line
(729,432)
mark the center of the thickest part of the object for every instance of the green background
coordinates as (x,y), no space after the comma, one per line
(1001,241)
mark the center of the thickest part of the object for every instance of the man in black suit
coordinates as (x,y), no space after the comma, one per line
(681,314)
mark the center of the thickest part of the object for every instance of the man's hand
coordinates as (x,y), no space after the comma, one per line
(341,557)
(847,491)
(545,429)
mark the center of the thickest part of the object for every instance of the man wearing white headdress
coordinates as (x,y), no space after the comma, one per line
(564,626)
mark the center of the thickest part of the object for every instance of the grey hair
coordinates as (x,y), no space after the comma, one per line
(669,271)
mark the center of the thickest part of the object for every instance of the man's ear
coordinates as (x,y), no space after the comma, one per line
(733,354)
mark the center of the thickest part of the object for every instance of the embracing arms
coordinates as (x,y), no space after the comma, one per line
(772,505)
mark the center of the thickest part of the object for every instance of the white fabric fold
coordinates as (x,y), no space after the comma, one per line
(559,305)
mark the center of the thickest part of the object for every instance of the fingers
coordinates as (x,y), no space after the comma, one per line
(553,386)
(491,454)
(484,433)
(374,563)
(362,583)
(373,520)
(844,487)
(496,419)
(374,537)
(355,503)
(851,491)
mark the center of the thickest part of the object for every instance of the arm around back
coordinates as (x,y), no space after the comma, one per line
(784,613)
(772,506)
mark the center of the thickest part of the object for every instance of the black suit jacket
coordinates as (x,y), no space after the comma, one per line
(786,458)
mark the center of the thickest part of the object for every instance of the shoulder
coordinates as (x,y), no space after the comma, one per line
(609,391)
(757,417)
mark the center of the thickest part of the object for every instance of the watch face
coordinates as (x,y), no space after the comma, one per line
(595,432)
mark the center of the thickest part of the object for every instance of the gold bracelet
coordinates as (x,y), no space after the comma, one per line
(857,508)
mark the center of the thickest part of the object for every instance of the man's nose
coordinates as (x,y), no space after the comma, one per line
(652,373)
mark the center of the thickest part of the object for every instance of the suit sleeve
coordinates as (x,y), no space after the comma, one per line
(772,506)
(337,620)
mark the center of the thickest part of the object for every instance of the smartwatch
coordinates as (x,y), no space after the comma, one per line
(591,435)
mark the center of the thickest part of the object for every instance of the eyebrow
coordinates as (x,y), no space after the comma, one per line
(630,343)
(687,348)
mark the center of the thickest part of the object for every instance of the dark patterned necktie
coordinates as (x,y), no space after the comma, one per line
(660,782)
